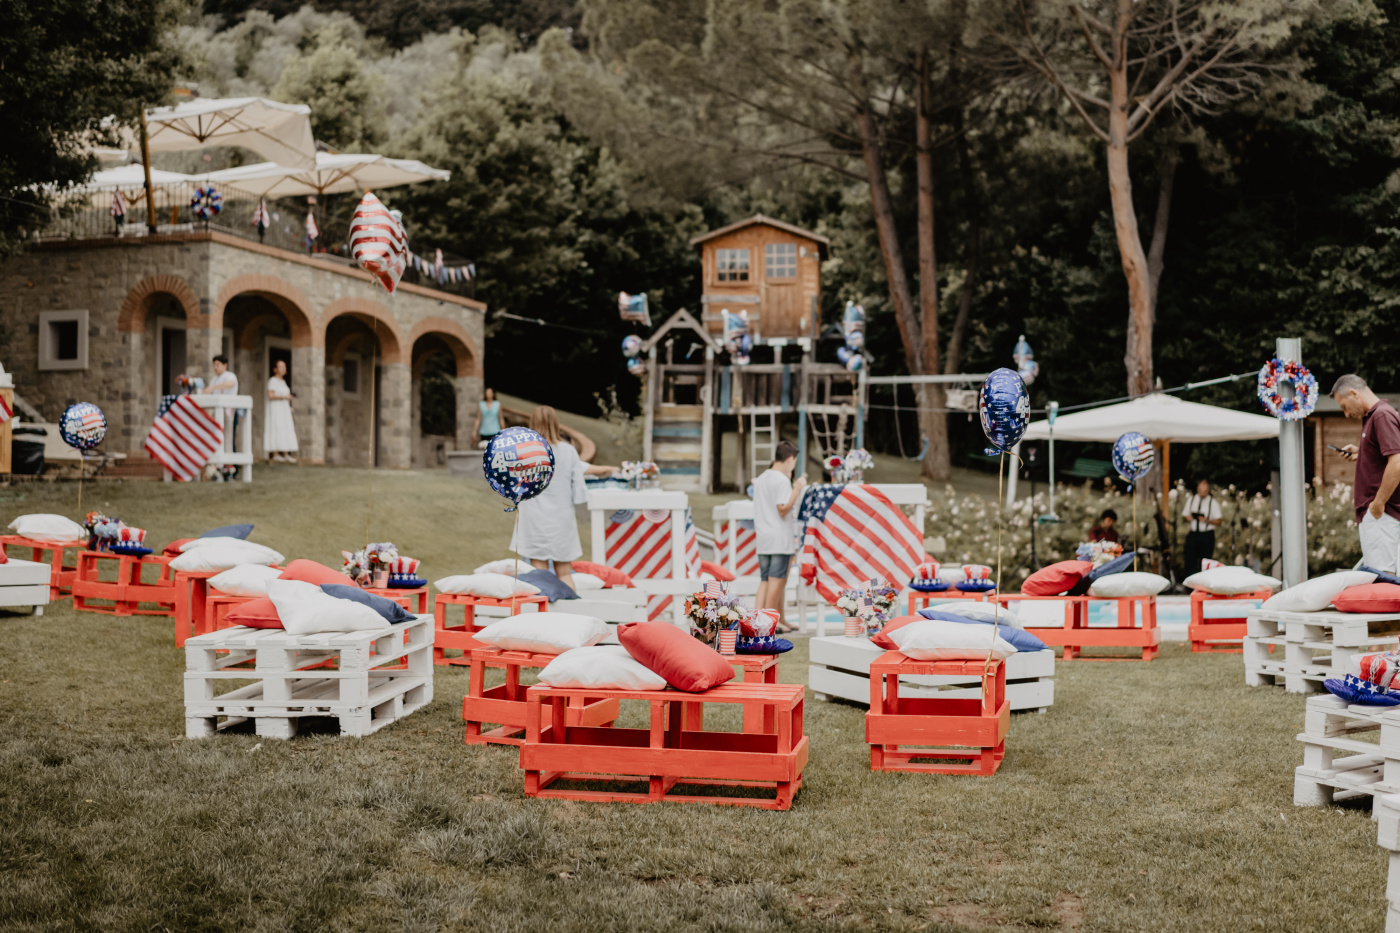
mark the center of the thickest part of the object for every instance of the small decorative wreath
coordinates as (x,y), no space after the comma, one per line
(206,202)
(1276,373)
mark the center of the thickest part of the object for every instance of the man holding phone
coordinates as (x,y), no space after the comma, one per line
(1202,514)
(1376,490)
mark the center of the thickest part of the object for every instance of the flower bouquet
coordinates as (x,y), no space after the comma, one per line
(869,606)
(856,463)
(113,534)
(1098,553)
(189,384)
(369,566)
(836,466)
(637,473)
(710,613)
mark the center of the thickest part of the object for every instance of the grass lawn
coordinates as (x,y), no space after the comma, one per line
(1154,797)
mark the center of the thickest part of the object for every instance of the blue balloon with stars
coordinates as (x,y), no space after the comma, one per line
(1133,456)
(519,463)
(82,426)
(1005,409)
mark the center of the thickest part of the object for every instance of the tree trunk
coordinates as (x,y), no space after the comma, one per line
(932,420)
(1166,180)
(953,358)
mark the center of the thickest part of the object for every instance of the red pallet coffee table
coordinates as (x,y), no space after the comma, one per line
(1218,635)
(192,616)
(404,597)
(505,703)
(918,599)
(129,589)
(460,637)
(1076,635)
(674,750)
(62,574)
(220,605)
(757,669)
(903,730)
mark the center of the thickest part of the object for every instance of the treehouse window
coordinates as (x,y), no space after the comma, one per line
(732,265)
(780,260)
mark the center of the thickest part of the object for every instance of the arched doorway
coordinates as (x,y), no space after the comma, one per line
(446,390)
(366,385)
(160,320)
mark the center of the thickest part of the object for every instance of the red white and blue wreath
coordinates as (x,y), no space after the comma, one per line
(1277,373)
(206,202)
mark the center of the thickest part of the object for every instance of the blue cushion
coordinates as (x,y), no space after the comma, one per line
(1022,639)
(1355,690)
(1381,575)
(229,531)
(940,616)
(392,612)
(548,584)
(1119,564)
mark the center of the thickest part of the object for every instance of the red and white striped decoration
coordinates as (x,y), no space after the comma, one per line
(641,548)
(403,565)
(378,242)
(745,563)
(6,412)
(760,623)
(184,438)
(128,535)
(862,536)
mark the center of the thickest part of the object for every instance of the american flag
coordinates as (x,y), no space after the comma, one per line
(378,242)
(312,232)
(261,218)
(854,533)
(6,412)
(184,438)
(745,562)
(118,209)
(639,544)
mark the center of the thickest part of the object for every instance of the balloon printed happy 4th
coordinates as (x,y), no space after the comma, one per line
(1005,409)
(519,463)
(1133,456)
(82,426)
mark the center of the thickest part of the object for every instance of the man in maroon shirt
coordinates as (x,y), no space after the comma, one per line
(1377,486)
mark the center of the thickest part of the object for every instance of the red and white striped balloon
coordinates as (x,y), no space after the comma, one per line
(378,242)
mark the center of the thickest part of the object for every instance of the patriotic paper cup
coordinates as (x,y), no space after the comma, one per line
(727,639)
(854,627)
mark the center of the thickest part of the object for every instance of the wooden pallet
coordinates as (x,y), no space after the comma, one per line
(505,703)
(1219,634)
(378,677)
(1386,811)
(840,667)
(1075,635)
(1330,726)
(192,613)
(1302,649)
(62,573)
(24,583)
(414,600)
(674,751)
(928,734)
(459,637)
(129,590)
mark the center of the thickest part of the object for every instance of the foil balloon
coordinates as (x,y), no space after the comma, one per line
(1026,366)
(637,366)
(1133,456)
(631,345)
(853,325)
(519,464)
(82,426)
(378,243)
(1005,409)
(737,340)
(849,358)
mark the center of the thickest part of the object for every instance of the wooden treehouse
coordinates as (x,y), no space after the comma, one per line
(694,394)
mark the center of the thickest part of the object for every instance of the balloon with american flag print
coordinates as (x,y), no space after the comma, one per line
(519,463)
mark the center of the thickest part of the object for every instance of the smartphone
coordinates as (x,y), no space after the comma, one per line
(1336,448)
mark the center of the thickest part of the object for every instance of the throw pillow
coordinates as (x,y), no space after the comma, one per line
(936,640)
(44,526)
(1317,594)
(1131,583)
(609,575)
(173,548)
(308,571)
(229,531)
(1022,639)
(980,611)
(486,585)
(587,581)
(265,555)
(1369,597)
(1117,565)
(1056,579)
(715,571)
(245,580)
(256,613)
(509,566)
(222,557)
(544,632)
(1381,575)
(305,610)
(548,584)
(1230,581)
(607,667)
(389,610)
(685,663)
(882,638)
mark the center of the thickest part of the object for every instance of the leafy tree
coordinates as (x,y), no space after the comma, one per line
(347,111)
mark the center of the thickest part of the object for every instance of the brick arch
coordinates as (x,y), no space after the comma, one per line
(379,318)
(137,304)
(458,340)
(287,297)
(335,353)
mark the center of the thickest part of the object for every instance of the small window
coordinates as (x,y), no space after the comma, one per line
(63,340)
(350,381)
(732,265)
(780,260)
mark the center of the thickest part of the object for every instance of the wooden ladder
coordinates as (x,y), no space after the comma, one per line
(763,441)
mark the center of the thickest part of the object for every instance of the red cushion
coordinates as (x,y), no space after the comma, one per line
(1056,579)
(173,548)
(882,637)
(716,571)
(1372,597)
(4,558)
(610,576)
(255,613)
(308,571)
(684,662)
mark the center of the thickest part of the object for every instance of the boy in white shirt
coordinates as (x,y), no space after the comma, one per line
(775,498)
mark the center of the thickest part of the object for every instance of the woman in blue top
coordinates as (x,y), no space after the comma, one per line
(488,418)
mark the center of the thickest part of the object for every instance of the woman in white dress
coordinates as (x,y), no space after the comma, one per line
(548,529)
(279,431)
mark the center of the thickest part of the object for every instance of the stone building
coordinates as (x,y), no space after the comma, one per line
(115,320)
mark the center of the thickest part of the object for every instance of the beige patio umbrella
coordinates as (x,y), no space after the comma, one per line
(335,173)
(277,131)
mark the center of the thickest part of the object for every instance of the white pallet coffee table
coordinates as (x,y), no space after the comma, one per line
(1386,811)
(380,677)
(1315,645)
(24,583)
(1331,725)
(840,667)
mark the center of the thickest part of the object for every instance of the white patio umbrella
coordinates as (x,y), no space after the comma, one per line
(130,180)
(334,173)
(277,131)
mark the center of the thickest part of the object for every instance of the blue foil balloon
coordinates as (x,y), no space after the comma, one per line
(631,345)
(82,426)
(519,464)
(1005,409)
(1133,456)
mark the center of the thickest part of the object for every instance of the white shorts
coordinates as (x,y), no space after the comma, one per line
(1380,542)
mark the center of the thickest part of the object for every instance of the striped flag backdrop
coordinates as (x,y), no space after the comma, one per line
(184,437)
(745,548)
(639,544)
(854,534)
(6,412)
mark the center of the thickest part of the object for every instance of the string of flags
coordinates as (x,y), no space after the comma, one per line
(439,272)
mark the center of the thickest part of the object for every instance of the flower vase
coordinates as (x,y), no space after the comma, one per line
(727,639)
(855,628)
(636,483)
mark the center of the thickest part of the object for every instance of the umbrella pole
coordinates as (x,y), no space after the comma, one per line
(146,167)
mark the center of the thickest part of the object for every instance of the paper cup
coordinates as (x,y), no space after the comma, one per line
(380,579)
(727,638)
(854,628)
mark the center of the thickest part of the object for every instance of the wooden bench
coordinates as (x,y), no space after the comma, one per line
(1076,635)
(61,573)
(1086,468)
(129,590)
(505,703)
(1219,634)
(459,637)
(1316,645)
(674,750)
(927,734)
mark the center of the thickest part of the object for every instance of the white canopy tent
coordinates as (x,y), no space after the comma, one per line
(334,173)
(277,131)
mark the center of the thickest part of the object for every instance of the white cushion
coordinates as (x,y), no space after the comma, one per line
(43,526)
(1230,581)
(936,640)
(259,553)
(305,610)
(1128,583)
(603,666)
(587,581)
(489,585)
(952,574)
(544,632)
(980,611)
(16,572)
(1317,594)
(508,566)
(244,580)
(223,557)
